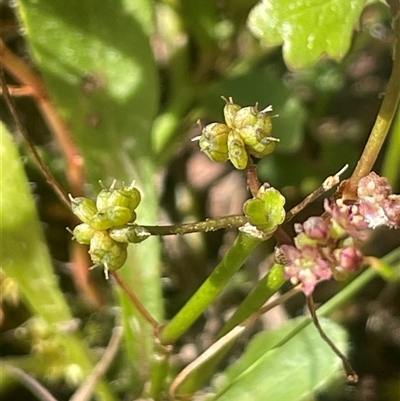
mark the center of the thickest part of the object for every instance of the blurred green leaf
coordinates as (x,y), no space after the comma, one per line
(308,29)
(99,68)
(201,19)
(25,259)
(274,359)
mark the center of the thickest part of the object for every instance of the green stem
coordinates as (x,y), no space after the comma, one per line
(233,221)
(382,123)
(391,163)
(265,288)
(215,283)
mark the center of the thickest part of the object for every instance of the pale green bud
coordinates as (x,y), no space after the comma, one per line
(125,197)
(102,199)
(213,141)
(83,208)
(260,149)
(104,250)
(236,150)
(230,111)
(266,211)
(111,217)
(83,233)
(247,116)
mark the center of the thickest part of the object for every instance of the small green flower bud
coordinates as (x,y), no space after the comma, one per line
(264,122)
(83,233)
(100,244)
(104,250)
(266,211)
(246,117)
(128,197)
(102,199)
(261,149)
(230,111)
(115,260)
(213,141)
(111,217)
(237,152)
(83,208)
(133,234)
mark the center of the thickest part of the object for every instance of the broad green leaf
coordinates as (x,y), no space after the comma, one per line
(201,19)
(280,366)
(99,69)
(307,29)
(25,258)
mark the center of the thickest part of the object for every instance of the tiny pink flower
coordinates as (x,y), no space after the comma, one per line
(349,258)
(316,228)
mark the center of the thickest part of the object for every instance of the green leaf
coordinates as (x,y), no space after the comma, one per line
(100,71)
(284,366)
(25,258)
(307,29)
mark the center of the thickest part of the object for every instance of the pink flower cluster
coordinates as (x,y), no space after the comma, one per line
(328,247)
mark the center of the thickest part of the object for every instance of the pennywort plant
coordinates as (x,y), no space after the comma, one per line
(100,70)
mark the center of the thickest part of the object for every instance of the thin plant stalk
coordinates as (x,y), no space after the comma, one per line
(211,288)
(208,225)
(350,372)
(383,121)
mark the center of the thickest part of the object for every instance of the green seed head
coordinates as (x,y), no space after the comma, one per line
(102,199)
(264,122)
(247,116)
(83,208)
(104,250)
(213,141)
(230,111)
(83,233)
(266,211)
(236,150)
(111,217)
(260,149)
(126,197)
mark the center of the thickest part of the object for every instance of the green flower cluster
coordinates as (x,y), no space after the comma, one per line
(266,211)
(108,225)
(246,131)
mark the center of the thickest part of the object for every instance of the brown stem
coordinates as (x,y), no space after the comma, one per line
(233,221)
(43,168)
(329,183)
(18,91)
(383,120)
(136,301)
(350,372)
(252,178)
(27,76)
